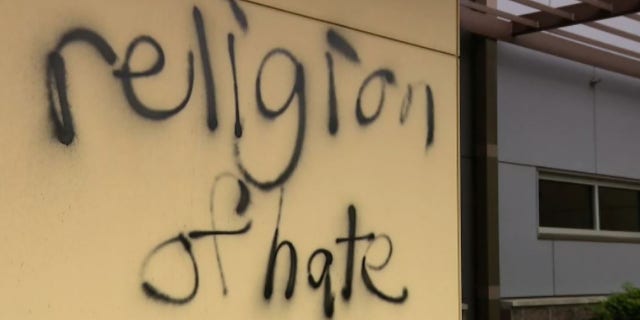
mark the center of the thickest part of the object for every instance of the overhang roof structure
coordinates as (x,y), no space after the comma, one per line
(568,31)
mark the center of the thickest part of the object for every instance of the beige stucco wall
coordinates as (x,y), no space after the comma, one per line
(79,222)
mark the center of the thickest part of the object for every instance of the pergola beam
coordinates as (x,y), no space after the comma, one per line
(582,12)
(614,31)
(548,9)
(502,30)
(634,16)
(596,43)
(488,10)
(599,4)
(485,25)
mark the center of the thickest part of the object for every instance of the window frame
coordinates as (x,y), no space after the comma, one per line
(595,234)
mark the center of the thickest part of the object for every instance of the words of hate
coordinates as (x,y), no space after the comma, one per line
(63,123)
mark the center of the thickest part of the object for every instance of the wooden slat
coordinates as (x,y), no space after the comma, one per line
(596,43)
(547,9)
(599,4)
(614,31)
(498,13)
(475,22)
(583,12)
(484,25)
(634,16)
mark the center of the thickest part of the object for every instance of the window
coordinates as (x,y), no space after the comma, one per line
(619,209)
(584,208)
(565,204)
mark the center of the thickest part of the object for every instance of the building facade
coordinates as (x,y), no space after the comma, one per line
(566,177)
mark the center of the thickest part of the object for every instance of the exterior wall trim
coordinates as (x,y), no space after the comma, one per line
(548,233)
(555,301)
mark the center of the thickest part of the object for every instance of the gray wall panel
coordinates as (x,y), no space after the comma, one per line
(526,266)
(595,268)
(618,125)
(545,110)
(549,116)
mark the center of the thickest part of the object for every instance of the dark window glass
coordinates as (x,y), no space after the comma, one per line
(619,210)
(565,205)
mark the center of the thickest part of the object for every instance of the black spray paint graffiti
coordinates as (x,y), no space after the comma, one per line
(185,242)
(57,80)
(64,126)
(126,75)
(340,44)
(244,199)
(339,49)
(297,91)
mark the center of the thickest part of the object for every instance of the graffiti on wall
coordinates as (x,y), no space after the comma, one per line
(338,46)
